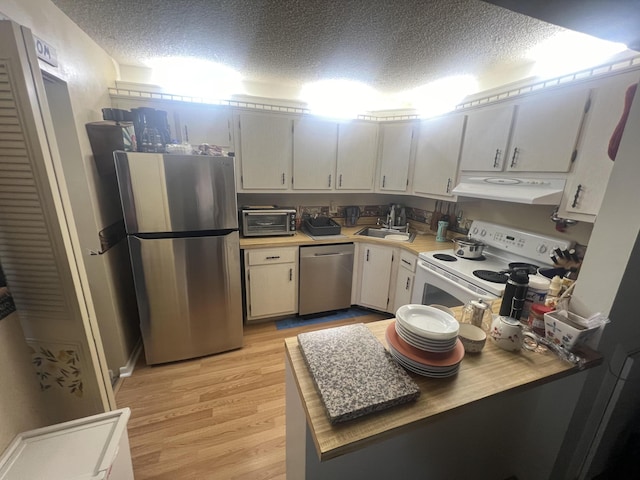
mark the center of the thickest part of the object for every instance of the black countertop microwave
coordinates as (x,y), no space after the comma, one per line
(269,220)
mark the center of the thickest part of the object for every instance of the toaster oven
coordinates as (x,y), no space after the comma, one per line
(264,221)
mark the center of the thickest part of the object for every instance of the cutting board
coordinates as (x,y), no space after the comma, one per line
(353,372)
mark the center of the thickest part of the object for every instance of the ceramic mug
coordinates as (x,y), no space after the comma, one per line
(507,333)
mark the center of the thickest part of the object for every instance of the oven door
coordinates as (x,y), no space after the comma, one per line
(431,287)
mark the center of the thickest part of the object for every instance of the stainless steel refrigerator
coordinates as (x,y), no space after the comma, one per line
(181,218)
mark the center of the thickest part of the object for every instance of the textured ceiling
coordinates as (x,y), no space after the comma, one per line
(392,45)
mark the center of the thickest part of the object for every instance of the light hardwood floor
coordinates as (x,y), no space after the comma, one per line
(218,417)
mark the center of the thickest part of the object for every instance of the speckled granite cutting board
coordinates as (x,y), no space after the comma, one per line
(354,373)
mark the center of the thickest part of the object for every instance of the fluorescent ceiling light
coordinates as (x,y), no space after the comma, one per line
(441,96)
(570,52)
(338,98)
(195,77)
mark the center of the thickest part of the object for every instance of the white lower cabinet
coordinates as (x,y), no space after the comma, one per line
(271,280)
(374,275)
(405,279)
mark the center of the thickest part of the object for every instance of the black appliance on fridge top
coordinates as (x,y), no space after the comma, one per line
(180,214)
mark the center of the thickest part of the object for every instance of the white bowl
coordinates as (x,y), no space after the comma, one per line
(473,338)
(427,322)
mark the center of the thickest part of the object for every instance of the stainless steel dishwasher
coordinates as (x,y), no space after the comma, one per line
(325,278)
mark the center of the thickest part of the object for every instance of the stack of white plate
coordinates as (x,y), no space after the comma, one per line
(424,340)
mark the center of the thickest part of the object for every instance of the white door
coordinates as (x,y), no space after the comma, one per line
(272,290)
(314,154)
(41,253)
(486,138)
(204,124)
(357,150)
(266,145)
(395,156)
(437,155)
(546,131)
(376,261)
(588,182)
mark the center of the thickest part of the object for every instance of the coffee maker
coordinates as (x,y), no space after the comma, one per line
(151,128)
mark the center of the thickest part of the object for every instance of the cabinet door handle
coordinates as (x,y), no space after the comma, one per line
(408,283)
(384,180)
(406,262)
(340,181)
(273,257)
(367,254)
(290,274)
(514,157)
(575,197)
(329,179)
(448,185)
(496,159)
(283,179)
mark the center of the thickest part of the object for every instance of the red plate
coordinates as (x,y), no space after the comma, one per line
(442,359)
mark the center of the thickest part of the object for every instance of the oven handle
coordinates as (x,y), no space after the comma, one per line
(425,271)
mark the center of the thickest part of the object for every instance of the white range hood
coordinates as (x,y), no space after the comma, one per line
(533,191)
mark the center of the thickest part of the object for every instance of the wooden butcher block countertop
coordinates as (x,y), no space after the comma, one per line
(489,373)
(421,243)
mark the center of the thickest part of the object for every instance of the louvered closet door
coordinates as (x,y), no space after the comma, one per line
(37,243)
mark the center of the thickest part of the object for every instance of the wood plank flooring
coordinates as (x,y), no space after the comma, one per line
(219,417)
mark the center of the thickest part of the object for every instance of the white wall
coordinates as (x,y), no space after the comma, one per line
(20,399)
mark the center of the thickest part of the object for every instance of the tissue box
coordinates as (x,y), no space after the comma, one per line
(561,328)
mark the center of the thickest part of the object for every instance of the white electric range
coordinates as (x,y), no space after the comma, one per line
(446,279)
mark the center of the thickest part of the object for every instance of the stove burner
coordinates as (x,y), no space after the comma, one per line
(529,267)
(481,258)
(444,257)
(491,276)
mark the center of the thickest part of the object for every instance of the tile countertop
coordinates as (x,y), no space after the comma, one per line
(421,243)
(490,373)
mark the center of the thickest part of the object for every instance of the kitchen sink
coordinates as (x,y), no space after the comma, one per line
(389,234)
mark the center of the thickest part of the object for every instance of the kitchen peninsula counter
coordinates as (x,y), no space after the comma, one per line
(494,375)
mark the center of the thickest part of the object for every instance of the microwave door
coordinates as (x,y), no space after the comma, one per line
(259,223)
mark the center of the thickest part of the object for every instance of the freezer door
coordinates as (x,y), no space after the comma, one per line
(189,295)
(176,193)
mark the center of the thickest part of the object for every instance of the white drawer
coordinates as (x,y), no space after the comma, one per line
(408,260)
(265,256)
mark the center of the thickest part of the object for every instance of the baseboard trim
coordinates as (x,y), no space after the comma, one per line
(127,370)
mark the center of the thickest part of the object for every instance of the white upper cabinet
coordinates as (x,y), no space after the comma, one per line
(357,150)
(395,156)
(315,143)
(546,131)
(588,181)
(266,146)
(486,139)
(538,133)
(198,124)
(437,155)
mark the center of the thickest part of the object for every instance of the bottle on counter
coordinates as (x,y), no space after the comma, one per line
(536,293)
(555,286)
(441,235)
(515,294)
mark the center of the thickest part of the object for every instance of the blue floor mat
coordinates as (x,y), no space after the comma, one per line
(301,321)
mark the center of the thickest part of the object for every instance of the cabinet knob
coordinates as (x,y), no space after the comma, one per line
(496,159)
(576,196)
(514,157)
